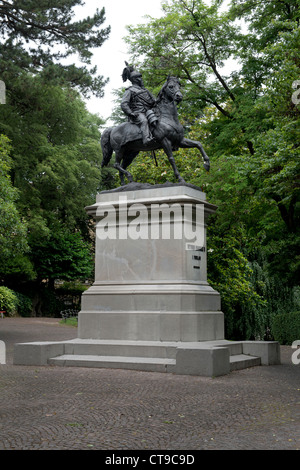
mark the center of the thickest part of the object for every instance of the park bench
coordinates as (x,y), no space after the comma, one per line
(69,313)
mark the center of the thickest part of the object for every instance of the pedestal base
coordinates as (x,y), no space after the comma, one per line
(149,326)
(207,358)
(150,268)
(151,307)
(148,312)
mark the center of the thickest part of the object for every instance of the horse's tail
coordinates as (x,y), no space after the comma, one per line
(107,149)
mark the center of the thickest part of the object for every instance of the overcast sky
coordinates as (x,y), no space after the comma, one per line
(110,58)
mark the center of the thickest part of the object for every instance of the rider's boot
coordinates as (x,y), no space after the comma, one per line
(146,134)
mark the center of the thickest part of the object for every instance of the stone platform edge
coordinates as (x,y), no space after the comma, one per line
(207,358)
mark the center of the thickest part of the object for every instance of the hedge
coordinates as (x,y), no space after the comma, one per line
(286,327)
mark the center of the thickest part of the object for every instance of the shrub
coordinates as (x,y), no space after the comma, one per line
(286,327)
(8,300)
(24,305)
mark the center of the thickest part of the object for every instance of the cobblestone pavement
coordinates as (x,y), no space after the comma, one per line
(57,408)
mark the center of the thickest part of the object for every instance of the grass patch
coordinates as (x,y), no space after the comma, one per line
(72,321)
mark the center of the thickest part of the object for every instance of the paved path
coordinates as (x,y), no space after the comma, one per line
(56,408)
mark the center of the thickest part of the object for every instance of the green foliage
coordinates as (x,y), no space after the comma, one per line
(15,303)
(244,116)
(286,327)
(17,269)
(71,288)
(24,305)
(64,255)
(53,169)
(50,162)
(12,228)
(8,300)
(55,147)
(274,170)
(157,170)
(56,158)
(246,119)
(28,26)
(230,273)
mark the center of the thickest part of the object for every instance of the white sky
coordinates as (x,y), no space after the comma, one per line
(110,57)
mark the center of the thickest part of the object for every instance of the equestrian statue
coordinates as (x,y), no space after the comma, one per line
(152,124)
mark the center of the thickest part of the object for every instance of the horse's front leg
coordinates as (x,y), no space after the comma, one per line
(167,147)
(188,144)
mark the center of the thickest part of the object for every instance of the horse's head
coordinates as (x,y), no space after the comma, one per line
(171,90)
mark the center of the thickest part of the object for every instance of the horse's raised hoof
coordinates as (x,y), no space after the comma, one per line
(206,166)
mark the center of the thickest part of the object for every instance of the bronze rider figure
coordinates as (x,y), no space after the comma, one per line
(137,101)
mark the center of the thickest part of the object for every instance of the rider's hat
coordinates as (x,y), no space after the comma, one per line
(129,73)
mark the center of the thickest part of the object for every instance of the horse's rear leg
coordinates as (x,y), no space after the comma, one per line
(122,171)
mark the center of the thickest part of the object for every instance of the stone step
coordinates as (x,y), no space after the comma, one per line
(243,361)
(154,349)
(167,349)
(152,364)
(207,358)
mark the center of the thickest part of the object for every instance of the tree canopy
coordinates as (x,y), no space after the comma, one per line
(12,228)
(37,36)
(50,150)
(238,67)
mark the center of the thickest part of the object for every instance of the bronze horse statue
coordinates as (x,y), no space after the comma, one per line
(168,134)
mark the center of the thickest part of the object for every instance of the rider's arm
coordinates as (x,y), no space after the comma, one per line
(125,104)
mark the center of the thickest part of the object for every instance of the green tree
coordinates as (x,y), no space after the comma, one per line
(55,141)
(41,36)
(64,255)
(248,123)
(274,170)
(193,41)
(56,154)
(13,230)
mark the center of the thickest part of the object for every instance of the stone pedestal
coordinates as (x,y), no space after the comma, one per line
(151,307)
(150,268)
